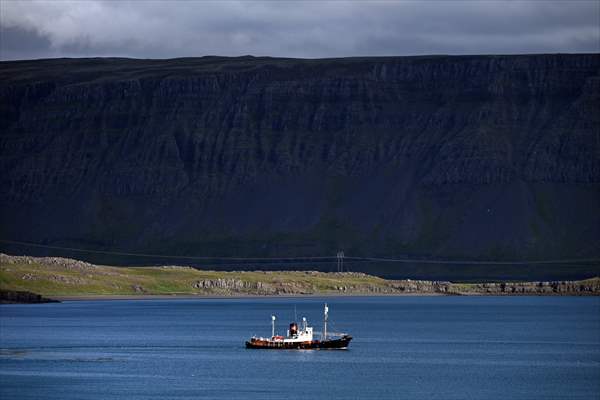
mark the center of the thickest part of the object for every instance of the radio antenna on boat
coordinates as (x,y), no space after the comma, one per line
(273,325)
(325,314)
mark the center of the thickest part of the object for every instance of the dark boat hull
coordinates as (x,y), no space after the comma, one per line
(340,343)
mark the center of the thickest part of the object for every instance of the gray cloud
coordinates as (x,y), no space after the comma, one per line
(153,29)
(17,42)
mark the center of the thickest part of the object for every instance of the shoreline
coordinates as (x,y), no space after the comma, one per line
(110,297)
(145,297)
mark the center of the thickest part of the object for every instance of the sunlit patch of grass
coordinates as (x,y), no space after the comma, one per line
(53,279)
(61,280)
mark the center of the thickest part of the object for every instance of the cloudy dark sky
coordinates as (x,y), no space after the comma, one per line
(153,29)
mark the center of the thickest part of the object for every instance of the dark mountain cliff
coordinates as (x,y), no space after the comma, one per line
(477,157)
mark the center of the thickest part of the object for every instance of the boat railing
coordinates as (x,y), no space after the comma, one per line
(329,334)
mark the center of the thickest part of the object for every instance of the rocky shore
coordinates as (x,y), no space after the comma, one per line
(586,287)
(13,297)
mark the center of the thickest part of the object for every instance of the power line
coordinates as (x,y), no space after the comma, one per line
(485,262)
(322,259)
(119,253)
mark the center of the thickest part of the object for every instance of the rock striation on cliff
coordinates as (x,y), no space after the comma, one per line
(480,157)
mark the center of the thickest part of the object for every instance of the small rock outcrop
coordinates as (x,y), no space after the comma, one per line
(67,263)
(15,297)
(586,287)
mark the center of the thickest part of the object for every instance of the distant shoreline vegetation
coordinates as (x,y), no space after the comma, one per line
(55,276)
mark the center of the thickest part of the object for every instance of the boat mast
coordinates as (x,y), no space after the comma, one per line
(325,322)
(272,325)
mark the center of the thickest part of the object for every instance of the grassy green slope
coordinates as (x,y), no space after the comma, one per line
(65,277)
(56,279)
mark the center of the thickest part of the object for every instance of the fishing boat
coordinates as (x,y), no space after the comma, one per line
(301,337)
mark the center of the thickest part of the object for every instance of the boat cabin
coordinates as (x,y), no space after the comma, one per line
(294,334)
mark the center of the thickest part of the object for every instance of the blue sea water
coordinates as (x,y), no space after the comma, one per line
(403,348)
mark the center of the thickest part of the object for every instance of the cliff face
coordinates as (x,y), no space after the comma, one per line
(493,157)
